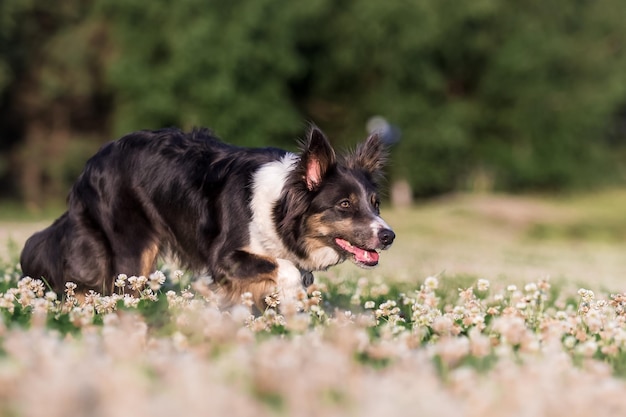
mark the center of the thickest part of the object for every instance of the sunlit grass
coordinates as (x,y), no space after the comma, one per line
(14,211)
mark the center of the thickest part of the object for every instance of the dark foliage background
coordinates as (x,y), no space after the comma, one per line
(487,94)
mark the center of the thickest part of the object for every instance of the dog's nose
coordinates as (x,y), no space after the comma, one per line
(386,236)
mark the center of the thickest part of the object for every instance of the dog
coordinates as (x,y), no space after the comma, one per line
(254,219)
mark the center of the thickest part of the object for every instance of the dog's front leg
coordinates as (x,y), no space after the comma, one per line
(289,281)
(260,276)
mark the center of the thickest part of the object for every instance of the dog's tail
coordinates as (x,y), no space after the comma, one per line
(42,256)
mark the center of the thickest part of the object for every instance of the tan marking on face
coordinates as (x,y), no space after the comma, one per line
(316,227)
(322,254)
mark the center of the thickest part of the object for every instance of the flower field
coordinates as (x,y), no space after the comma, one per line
(344,348)
(354,344)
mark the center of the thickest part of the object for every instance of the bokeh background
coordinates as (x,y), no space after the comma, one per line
(484,95)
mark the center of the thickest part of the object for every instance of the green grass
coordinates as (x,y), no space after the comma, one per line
(596,217)
(14,211)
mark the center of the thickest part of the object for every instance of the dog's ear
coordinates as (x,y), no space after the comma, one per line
(370,156)
(316,158)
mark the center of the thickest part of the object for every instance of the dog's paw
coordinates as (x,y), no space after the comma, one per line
(289,282)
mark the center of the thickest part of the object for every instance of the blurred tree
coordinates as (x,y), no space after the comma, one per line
(226,64)
(521,92)
(487,93)
(551,88)
(53,96)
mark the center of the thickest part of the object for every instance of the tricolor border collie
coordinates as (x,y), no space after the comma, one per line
(253,219)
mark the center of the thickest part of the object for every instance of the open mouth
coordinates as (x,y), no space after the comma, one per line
(362,257)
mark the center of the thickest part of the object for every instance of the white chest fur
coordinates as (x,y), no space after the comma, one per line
(268,184)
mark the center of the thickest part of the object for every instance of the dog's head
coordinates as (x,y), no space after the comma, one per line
(335,203)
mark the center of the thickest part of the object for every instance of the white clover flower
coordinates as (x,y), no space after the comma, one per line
(530,287)
(511,288)
(407,300)
(431,283)
(369,305)
(379,290)
(422,321)
(81,317)
(480,345)
(466,294)
(177,276)
(442,325)
(362,282)
(272,300)
(511,328)
(69,289)
(157,279)
(569,342)
(137,283)
(586,295)
(587,349)
(110,319)
(452,349)
(158,276)
(493,310)
(313,302)
(458,312)
(258,324)
(478,320)
(130,301)
(149,295)
(119,284)
(543,284)
(594,321)
(355,299)
(482,285)
(560,315)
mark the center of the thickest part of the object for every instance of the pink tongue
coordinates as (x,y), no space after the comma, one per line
(361,255)
(366,256)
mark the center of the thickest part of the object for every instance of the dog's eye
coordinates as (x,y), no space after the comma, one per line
(345,204)
(375,202)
